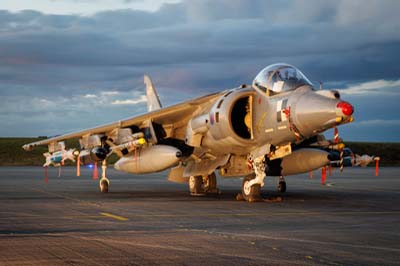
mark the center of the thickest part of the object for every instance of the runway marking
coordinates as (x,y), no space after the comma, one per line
(119,218)
(282,127)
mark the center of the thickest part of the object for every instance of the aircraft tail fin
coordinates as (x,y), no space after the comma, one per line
(153,101)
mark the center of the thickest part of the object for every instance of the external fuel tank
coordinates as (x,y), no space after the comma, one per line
(150,159)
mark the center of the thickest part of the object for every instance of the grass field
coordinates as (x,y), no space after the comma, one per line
(12,154)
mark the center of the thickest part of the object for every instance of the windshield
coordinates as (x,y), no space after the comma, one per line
(279,78)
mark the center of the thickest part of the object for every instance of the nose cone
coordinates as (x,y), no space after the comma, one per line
(346,108)
(315,113)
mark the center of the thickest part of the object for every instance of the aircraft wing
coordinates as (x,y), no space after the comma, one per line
(169,115)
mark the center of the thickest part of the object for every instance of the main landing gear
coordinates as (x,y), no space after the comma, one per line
(104,182)
(202,185)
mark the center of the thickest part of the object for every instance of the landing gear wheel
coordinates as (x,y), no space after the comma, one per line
(196,185)
(282,186)
(104,184)
(210,184)
(251,193)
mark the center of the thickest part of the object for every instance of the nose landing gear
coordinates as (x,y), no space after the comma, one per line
(251,192)
(251,186)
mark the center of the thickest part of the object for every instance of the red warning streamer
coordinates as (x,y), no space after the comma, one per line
(78,166)
(95,171)
(323,175)
(46,175)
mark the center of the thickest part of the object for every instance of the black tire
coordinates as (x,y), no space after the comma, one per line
(196,185)
(104,186)
(252,193)
(210,184)
(282,186)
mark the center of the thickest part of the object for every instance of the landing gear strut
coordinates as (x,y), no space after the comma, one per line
(201,185)
(104,182)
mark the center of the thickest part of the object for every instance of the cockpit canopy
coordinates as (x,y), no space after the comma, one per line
(278,78)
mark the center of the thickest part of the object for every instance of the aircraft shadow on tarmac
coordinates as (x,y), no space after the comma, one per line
(229,196)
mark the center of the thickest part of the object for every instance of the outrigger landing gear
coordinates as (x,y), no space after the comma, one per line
(201,185)
(282,185)
(104,182)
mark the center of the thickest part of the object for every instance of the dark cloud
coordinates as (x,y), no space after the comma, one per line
(195,47)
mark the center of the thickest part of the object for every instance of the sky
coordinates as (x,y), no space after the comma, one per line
(67,65)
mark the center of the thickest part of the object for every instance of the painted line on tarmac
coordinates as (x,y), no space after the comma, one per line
(116,217)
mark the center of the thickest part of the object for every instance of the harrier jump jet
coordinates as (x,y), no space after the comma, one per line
(252,131)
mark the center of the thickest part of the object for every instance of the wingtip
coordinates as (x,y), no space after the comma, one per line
(27,147)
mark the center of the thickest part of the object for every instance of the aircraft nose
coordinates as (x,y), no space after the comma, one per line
(315,113)
(345,107)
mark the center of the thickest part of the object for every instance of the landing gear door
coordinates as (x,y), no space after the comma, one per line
(259,116)
(249,116)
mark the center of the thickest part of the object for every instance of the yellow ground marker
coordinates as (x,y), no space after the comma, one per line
(120,218)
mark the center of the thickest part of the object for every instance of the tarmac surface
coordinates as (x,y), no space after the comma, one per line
(145,220)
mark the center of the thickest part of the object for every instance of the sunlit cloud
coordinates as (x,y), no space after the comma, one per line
(142,99)
(379,122)
(88,96)
(109,93)
(83,7)
(383,87)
